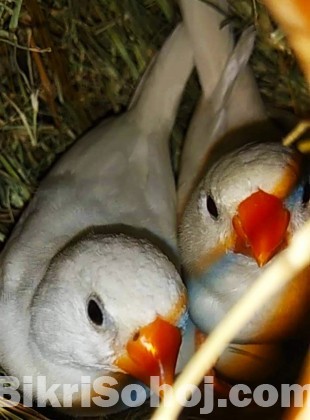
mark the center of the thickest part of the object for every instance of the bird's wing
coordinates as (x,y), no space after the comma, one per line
(118,173)
(224,104)
(157,98)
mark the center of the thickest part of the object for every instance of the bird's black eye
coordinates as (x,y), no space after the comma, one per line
(306,193)
(211,206)
(94,312)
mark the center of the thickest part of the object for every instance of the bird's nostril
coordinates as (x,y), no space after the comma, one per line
(136,336)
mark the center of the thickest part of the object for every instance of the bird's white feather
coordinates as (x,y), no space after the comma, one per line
(118,178)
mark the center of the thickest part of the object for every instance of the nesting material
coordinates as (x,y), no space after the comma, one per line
(64,65)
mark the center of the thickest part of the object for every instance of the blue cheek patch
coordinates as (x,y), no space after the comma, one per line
(217,271)
(182,324)
(294,198)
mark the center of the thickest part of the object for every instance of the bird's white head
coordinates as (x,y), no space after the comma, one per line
(109,303)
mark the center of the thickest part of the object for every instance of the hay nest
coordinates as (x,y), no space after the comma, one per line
(66,64)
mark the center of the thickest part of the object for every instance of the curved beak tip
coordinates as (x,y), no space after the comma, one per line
(152,352)
(262,258)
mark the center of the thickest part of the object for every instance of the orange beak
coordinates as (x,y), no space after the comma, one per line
(261,226)
(153,351)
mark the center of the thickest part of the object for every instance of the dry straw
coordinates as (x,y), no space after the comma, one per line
(64,65)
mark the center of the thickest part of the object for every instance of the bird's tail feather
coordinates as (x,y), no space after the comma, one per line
(219,108)
(211,43)
(235,64)
(157,97)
